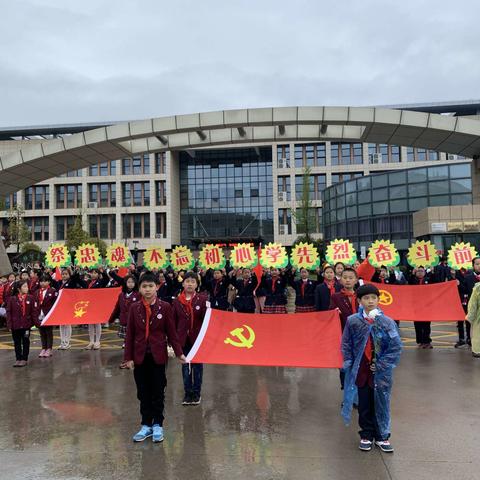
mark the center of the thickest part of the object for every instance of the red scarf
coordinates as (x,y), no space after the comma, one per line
(302,287)
(477,277)
(274,281)
(352,297)
(331,286)
(23,299)
(43,292)
(91,283)
(188,306)
(369,346)
(421,281)
(382,280)
(215,288)
(148,311)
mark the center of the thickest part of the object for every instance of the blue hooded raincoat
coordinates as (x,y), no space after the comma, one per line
(388,347)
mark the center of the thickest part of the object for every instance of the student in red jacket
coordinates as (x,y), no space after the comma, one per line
(22,314)
(189,310)
(45,297)
(126,297)
(150,327)
(8,288)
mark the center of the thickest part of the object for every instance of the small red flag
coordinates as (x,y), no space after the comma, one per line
(437,302)
(122,272)
(258,269)
(365,270)
(57,276)
(82,306)
(269,340)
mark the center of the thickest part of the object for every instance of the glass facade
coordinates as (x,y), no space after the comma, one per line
(226,194)
(381,205)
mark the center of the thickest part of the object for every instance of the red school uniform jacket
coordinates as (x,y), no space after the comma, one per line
(161,331)
(16,319)
(186,328)
(122,307)
(342,302)
(45,299)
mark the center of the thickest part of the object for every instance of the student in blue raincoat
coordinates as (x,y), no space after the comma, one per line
(371,348)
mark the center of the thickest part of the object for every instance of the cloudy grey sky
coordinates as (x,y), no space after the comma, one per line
(64,61)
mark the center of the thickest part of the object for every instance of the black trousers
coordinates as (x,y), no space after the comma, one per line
(462,326)
(46,335)
(422,332)
(366,414)
(21,342)
(151,384)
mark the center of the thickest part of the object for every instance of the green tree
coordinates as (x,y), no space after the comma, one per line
(17,231)
(29,246)
(304,215)
(76,235)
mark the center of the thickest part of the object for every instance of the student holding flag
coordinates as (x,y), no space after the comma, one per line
(189,310)
(45,298)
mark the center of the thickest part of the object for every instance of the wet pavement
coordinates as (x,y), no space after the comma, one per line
(72,417)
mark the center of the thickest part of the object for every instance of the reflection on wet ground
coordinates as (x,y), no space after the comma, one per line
(72,417)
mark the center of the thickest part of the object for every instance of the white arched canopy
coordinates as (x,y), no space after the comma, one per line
(50,158)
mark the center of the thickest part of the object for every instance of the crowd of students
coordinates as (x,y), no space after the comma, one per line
(163,307)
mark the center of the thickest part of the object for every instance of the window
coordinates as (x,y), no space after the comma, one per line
(421,155)
(62,224)
(10,201)
(284,221)
(71,173)
(314,220)
(161,192)
(383,153)
(68,196)
(136,194)
(342,177)
(347,153)
(310,155)
(102,226)
(161,225)
(138,165)
(160,162)
(283,186)
(38,227)
(103,194)
(37,198)
(460,171)
(136,225)
(103,169)
(283,156)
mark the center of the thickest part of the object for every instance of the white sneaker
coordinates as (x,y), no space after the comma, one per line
(96,346)
(61,346)
(89,346)
(66,346)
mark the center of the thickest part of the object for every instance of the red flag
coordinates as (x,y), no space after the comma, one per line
(437,302)
(365,270)
(57,276)
(258,269)
(301,340)
(74,306)
(122,272)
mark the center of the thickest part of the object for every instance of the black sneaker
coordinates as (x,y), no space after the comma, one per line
(385,446)
(196,399)
(365,445)
(187,399)
(469,342)
(475,355)
(460,343)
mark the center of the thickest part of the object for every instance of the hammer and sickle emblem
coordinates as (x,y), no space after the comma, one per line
(385,298)
(243,342)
